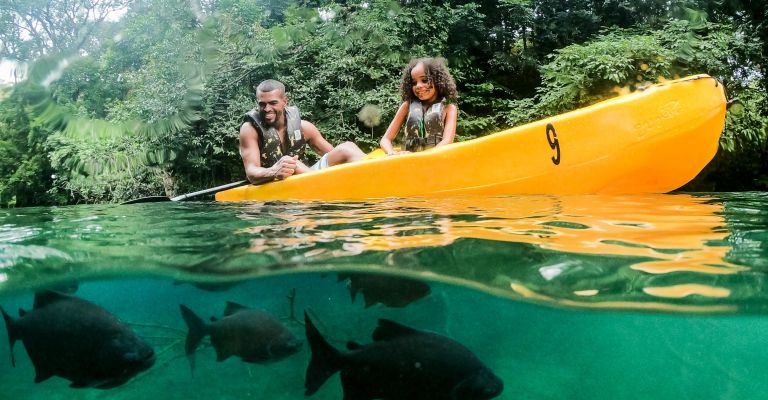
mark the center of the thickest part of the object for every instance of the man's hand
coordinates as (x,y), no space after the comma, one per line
(284,167)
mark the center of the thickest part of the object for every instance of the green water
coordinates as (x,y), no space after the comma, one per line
(589,297)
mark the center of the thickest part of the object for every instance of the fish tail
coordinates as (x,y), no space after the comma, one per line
(325,361)
(197,329)
(10,326)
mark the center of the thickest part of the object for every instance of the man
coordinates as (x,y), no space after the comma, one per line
(273,137)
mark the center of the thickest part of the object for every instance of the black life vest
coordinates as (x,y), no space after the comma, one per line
(424,130)
(269,138)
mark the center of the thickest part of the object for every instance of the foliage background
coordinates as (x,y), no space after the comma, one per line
(149,103)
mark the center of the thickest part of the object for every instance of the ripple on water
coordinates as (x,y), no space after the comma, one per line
(636,251)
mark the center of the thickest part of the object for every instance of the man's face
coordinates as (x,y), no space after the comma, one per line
(271,105)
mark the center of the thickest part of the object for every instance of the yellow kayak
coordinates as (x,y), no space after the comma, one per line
(650,141)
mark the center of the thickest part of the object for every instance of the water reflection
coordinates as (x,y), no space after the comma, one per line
(640,251)
(654,234)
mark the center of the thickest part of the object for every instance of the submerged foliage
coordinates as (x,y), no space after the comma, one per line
(151,102)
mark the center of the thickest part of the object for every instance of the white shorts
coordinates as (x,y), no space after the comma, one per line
(323,163)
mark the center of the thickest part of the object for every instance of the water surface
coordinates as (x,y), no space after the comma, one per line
(658,296)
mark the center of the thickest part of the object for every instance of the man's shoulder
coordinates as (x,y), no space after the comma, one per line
(250,116)
(247,128)
(309,130)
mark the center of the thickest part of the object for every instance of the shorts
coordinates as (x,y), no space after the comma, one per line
(322,164)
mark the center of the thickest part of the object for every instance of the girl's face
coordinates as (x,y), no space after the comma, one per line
(422,85)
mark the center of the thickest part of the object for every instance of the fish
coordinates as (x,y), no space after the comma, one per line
(402,363)
(210,286)
(254,336)
(391,291)
(77,340)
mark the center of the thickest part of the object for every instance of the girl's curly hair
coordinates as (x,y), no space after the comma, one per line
(437,72)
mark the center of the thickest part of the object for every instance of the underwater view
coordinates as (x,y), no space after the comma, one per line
(534,297)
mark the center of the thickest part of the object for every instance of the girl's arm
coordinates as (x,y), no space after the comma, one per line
(449,125)
(394,127)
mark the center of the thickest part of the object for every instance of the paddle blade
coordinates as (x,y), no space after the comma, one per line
(150,199)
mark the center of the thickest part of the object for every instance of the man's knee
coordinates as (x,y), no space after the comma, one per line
(344,153)
(350,150)
(347,147)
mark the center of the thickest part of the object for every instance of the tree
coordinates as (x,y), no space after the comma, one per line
(153,102)
(24,167)
(33,28)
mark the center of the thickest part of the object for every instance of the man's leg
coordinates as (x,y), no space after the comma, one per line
(345,153)
(301,168)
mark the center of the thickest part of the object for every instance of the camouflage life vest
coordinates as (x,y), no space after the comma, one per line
(269,139)
(423,130)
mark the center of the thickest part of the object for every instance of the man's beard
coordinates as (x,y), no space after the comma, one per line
(278,116)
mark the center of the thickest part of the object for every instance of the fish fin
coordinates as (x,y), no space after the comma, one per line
(388,329)
(353,345)
(73,385)
(197,329)
(368,302)
(45,297)
(10,326)
(221,355)
(233,307)
(109,383)
(257,359)
(42,374)
(325,361)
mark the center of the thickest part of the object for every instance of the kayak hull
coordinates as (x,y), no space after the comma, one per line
(651,141)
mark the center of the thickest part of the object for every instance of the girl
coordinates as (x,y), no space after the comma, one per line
(428,110)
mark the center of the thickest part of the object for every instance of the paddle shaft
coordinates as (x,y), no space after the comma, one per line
(260,181)
(208,191)
(155,199)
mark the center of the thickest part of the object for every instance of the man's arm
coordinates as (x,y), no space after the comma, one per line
(315,140)
(251,155)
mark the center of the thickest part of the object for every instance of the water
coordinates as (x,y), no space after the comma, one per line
(587,297)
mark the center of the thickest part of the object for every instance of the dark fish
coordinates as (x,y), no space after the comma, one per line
(388,290)
(254,336)
(210,286)
(402,363)
(77,340)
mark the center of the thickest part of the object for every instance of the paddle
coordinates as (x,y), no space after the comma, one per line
(155,199)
